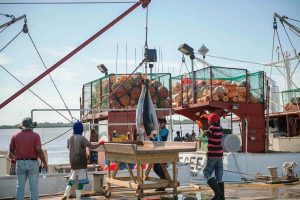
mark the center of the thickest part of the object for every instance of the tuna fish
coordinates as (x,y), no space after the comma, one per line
(146,119)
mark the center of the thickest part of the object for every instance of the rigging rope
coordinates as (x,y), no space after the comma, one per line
(70,2)
(290,18)
(146,39)
(34,93)
(290,41)
(11,40)
(294,32)
(285,63)
(182,61)
(57,136)
(9,16)
(50,76)
(249,62)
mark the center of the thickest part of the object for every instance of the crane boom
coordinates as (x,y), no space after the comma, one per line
(76,50)
(282,19)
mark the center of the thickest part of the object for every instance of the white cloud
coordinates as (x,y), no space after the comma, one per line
(56,52)
(4,59)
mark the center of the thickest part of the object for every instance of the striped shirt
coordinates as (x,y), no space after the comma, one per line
(214,147)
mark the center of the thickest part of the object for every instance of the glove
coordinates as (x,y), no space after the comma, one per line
(101,142)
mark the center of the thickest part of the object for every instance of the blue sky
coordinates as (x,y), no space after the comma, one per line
(233,28)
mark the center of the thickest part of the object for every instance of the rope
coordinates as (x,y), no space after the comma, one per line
(182,61)
(11,40)
(71,2)
(290,18)
(249,62)
(294,32)
(50,76)
(146,28)
(57,137)
(273,45)
(34,93)
(9,16)
(187,69)
(290,41)
(285,61)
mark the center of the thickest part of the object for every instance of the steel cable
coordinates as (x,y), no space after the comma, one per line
(34,93)
(50,76)
(11,40)
(57,136)
(70,2)
(290,41)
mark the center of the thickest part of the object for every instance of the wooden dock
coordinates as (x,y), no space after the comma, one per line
(245,191)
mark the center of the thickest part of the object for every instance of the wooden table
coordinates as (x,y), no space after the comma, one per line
(144,153)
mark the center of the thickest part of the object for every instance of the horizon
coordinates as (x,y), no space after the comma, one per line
(232,29)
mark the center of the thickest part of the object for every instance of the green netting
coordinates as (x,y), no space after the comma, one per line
(257,86)
(104,85)
(86,96)
(126,96)
(176,91)
(218,84)
(96,94)
(289,96)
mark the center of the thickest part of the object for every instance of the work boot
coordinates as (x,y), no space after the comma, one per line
(221,186)
(212,182)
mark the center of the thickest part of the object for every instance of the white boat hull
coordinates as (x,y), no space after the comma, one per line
(238,165)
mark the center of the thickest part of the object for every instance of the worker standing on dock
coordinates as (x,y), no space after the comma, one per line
(163,131)
(78,159)
(162,136)
(214,157)
(25,147)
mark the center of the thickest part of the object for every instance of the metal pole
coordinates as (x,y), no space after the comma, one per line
(192,57)
(282,19)
(72,53)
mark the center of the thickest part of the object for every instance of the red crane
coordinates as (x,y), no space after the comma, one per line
(144,4)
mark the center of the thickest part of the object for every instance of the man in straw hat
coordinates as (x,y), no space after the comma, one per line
(25,147)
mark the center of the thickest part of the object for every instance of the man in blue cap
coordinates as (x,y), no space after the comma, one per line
(78,159)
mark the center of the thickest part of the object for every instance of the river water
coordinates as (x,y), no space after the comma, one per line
(58,152)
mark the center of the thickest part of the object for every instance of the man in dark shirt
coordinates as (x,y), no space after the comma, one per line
(78,159)
(178,138)
(214,156)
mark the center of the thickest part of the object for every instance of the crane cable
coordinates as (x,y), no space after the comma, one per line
(69,2)
(290,41)
(146,39)
(24,29)
(34,93)
(295,55)
(37,51)
(57,136)
(284,60)
(11,40)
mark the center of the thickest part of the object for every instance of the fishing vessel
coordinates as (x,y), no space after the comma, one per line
(108,106)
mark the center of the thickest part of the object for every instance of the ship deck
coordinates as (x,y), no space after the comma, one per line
(245,191)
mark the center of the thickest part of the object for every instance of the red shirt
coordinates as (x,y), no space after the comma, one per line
(23,144)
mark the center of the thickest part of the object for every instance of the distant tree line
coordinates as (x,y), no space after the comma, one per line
(39,125)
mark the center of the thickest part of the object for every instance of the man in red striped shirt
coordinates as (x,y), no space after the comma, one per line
(214,156)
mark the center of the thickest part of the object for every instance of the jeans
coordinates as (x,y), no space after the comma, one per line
(27,169)
(214,165)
